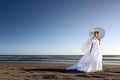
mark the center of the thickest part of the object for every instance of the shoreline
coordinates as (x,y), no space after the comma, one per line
(54,71)
(34,62)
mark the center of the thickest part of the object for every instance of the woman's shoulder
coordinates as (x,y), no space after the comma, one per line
(94,38)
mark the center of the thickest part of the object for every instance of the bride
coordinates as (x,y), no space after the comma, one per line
(91,61)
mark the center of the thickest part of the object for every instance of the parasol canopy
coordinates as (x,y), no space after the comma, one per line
(100,30)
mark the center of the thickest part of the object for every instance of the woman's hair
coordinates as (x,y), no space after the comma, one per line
(96,32)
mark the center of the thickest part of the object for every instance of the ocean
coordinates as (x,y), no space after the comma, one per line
(66,59)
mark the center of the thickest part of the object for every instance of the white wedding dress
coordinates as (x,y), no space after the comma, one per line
(89,62)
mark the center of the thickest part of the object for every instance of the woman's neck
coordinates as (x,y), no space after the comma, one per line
(95,37)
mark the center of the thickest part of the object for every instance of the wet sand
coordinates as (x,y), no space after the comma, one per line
(53,71)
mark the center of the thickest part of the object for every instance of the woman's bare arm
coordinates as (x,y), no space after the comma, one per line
(99,41)
(91,47)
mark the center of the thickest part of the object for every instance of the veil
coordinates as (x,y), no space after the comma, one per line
(87,45)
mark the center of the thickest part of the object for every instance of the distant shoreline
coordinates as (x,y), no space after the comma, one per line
(61,59)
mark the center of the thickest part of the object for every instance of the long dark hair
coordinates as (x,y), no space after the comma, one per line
(98,36)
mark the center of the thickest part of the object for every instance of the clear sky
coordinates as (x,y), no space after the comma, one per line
(57,26)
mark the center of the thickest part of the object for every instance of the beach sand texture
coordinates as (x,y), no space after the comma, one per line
(53,71)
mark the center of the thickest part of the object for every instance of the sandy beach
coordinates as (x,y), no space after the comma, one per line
(53,71)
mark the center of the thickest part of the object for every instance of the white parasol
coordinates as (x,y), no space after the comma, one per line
(100,30)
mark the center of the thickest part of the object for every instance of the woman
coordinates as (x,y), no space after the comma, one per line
(92,59)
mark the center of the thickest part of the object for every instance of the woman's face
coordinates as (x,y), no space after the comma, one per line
(96,33)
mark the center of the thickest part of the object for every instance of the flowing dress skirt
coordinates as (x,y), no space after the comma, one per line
(89,62)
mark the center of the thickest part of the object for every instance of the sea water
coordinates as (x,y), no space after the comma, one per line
(66,59)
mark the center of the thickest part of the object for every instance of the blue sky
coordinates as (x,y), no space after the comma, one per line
(57,26)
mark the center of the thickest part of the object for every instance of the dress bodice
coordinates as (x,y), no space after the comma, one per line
(95,42)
